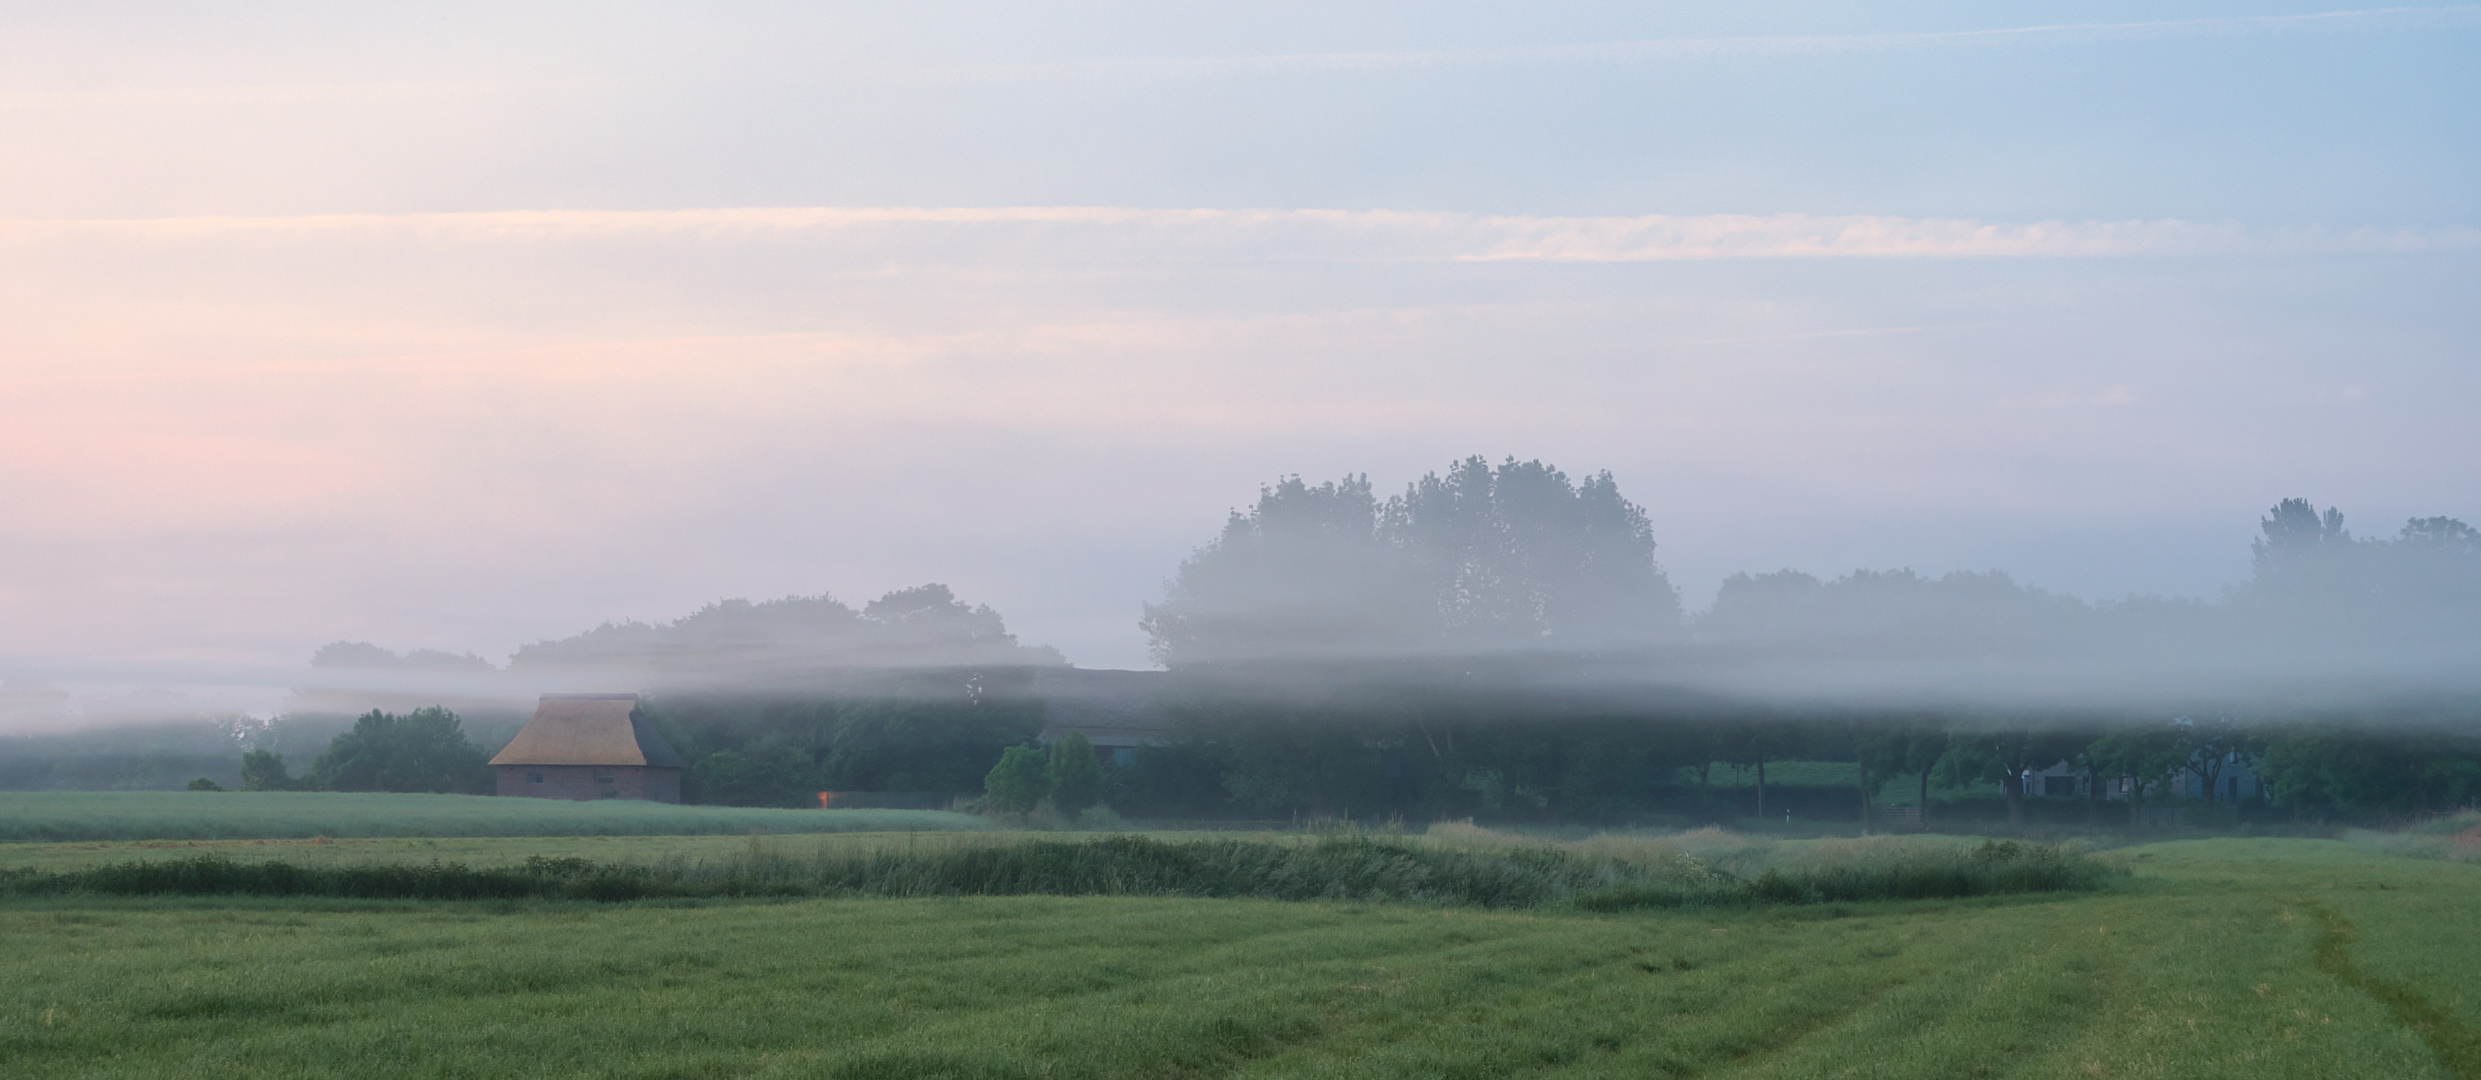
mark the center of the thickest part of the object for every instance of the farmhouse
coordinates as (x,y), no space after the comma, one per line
(1116,711)
(589,746)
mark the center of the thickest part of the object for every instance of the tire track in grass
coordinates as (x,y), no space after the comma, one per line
(2457,1047)
(1769,1021)
(1924,982)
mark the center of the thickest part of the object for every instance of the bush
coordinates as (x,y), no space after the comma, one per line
(1020,780)
(204,784)
(1076,777)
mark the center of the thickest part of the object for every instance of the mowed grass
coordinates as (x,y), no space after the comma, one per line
(2220,959)
(34,816)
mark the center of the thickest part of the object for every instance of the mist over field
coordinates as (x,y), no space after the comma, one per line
(1516,580)
(1377,538)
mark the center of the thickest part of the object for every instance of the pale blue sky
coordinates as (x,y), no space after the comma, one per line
(2072,290)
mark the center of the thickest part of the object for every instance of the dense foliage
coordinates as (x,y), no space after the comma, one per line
(424,750)
(1020,780)
(1438,654)
(1514,760)
(1513,557)
(922,730)
(740,642)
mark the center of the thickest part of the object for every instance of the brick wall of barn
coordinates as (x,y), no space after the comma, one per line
(583,782)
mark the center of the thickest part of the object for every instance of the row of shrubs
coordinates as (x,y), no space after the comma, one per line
(1353,868)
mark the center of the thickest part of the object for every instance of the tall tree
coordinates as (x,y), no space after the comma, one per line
(2009,753)
(423,750)
(1758,741)
(2146,755)
(1905,747)
(2213,742)
(1513,558)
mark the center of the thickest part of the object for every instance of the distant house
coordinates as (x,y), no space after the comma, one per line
(1116,711)
(2234,781)
(589,746)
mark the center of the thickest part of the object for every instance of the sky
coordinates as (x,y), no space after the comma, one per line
(472,326)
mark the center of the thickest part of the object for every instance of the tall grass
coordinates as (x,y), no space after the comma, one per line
(2454,838)
(34,816)
(1335,867)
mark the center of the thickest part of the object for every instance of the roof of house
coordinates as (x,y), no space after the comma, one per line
(1110,708)
(588,729)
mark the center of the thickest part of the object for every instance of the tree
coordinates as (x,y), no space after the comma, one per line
(263,770)
(2096,769)
(1514,558)
(1018,782)
(914,730)
(760,775)
(2008,755)
(1519,557)
(1905,748)
(2367,770)
(1758,741)
(736,642)
(2211,744)
(423,750)
(2146,755)
(1076,776)
(2299,543)
(204,784)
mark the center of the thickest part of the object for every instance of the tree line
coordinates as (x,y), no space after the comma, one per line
(425,749)
(1500,640)
(1514,760)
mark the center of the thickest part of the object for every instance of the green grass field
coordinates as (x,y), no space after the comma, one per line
(2239,958)
(202,815)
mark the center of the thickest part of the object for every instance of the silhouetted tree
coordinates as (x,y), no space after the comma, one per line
(2146,755)
(2008,754)
(424,750)
(1904,747)
(2211,743)
(263,770)
(1516,558)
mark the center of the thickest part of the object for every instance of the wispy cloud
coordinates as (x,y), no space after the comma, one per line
(145,97)
(941,234)
(1660,50)
(2361,20)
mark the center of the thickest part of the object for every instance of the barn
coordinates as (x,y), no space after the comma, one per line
(589,746)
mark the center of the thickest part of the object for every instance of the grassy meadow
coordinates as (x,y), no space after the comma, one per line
(2252,958)
(27,816)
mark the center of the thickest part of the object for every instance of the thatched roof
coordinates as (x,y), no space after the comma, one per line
(588,729)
